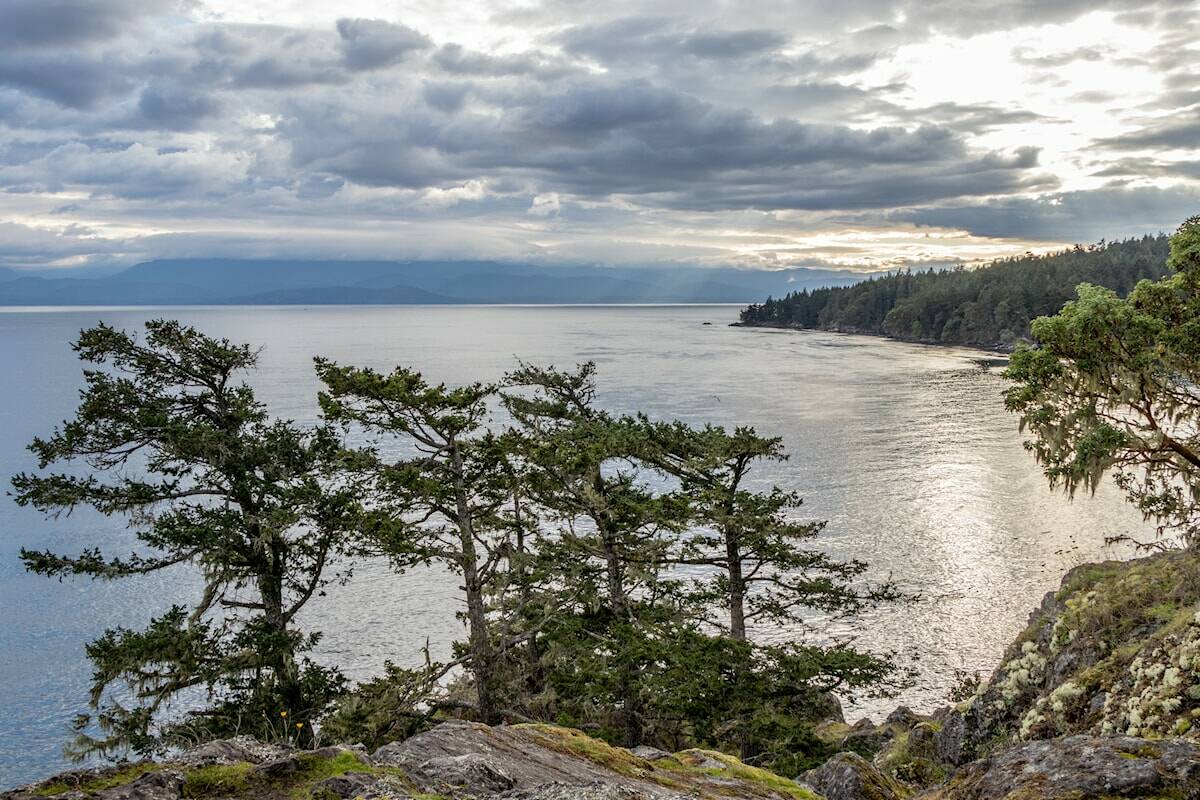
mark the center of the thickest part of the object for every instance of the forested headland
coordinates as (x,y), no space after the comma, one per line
(991,306)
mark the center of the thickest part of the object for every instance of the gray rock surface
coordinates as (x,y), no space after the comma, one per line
(849,776)
(165,785)
(231,751)
(591,791)
(950,741)
(649,753)
(1078,767)
(428,758)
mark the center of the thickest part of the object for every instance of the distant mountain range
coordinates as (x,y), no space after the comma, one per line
(245,282)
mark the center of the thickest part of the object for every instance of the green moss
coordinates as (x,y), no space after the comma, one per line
(673,772)
(1145,751)
(217,779)
(1085,577)
(223,780)
(758,777)
(108,780)
(580,744)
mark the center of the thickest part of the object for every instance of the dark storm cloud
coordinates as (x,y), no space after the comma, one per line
(1150,167)
(458,60)
(264,57)
(174,107)
(69,79)
(1183,134)
(375,43)
(634,138)
(447,96)
(1082,216)
(662,40)
(27,24)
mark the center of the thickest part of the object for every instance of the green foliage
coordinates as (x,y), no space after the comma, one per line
(391,707)
(992,306)
(1112,389)
(171,441)
(441,504)
(613,568)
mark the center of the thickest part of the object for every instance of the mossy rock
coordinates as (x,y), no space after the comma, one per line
(1116,650)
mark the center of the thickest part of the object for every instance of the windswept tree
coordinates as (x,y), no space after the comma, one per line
(443,499)
(1112,388)
(761,567)
(612,531)
(168,436)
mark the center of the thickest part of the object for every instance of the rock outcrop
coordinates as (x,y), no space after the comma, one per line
(454,760)
(1080,768)
(849,776)
(1115,651)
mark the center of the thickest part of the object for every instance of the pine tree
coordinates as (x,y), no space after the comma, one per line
(178,445)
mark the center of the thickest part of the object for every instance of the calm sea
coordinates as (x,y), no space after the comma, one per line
(905,450)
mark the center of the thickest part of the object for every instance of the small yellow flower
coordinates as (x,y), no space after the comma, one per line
(283,713)
(299,725)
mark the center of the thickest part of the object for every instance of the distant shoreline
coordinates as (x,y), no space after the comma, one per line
(995,349)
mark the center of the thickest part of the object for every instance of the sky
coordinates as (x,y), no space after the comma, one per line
(764,134)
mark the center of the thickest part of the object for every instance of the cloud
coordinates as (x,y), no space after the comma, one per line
(1173,134)
(662,40)
(69,79)
(134,171)
(28,246)
(1081,216)
(175,107)
(33,24)
(597,139)
(555,128)
(375,43)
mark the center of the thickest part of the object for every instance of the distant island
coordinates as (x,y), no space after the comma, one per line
(290,282)
(990,307)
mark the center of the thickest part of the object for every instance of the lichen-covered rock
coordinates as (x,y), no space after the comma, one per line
(231,751)
(591,791)
(1116,650)
(468,759)
(849,776)
(1079,768)
(357,785)
(472,773)
(649,753)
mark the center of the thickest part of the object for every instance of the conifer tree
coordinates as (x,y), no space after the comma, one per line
(613,532)
(175,442)
(1112,389)
(443,500)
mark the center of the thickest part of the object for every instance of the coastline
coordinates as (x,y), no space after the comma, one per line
(994,348)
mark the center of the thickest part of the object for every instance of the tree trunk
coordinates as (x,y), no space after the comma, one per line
(282,661)
(479,639)
(737,588)
(619,603)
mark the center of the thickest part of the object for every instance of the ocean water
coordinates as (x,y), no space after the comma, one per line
(906,451)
